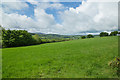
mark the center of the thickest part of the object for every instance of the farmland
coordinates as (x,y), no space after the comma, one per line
(82,58)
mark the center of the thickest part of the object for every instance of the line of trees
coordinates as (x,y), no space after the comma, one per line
(88,36)
(15,38)
(114,33)
(102,34)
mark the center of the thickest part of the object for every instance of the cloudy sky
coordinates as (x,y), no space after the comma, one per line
(60,17)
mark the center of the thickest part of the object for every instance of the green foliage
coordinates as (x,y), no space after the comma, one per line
(114,33)
(114,63)
(70,59)
(102,34)
(1,36)
(83,37)
(14,38)
(57,36)
(54,40)
(37,38)
(90,36)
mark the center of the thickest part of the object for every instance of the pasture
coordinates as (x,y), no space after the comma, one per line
(83,58)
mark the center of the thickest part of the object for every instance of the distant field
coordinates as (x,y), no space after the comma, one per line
(83,58)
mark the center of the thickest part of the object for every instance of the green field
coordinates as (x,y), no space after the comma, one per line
(83,58)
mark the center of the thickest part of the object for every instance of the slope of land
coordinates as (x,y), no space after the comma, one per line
(87,58)
(56,36)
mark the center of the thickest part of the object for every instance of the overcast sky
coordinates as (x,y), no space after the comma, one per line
(60,17)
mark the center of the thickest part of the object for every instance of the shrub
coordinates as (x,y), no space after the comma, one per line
(83,37)
(114,63)
(36,37)
(90,36)
(114,33)
(102,34)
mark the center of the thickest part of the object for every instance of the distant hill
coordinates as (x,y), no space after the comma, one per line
(36,33)
(56,36)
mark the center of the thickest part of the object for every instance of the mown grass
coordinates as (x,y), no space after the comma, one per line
(87,58)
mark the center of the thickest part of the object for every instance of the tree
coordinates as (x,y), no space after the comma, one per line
(102,34)
(114,33)
(90,36)
(1,36)
(36,37)
(6,38)
(83,37)
(118,32)
(14,38)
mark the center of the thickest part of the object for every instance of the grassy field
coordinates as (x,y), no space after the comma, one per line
(87,58)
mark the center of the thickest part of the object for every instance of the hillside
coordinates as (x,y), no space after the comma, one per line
(56,36)
(87,58)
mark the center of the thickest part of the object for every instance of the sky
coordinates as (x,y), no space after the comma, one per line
(65,18)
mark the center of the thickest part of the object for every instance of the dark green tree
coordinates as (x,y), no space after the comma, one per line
(90,36)
(14,38)
(114,33)
(102,34)
(83,37)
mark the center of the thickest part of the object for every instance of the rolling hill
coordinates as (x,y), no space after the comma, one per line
(87,58)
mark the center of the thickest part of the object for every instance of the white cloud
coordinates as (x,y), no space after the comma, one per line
(103,0)
(98,17)
(10,6)
(45,5)
(88,17)
(34,2)
(42,21)
(57,6)
(16,21)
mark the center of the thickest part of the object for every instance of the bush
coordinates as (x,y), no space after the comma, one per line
(83,37)
(37,39)
(114,33)
(102,34)
(90,36)
(45,40)
(114,63)
(14,38)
